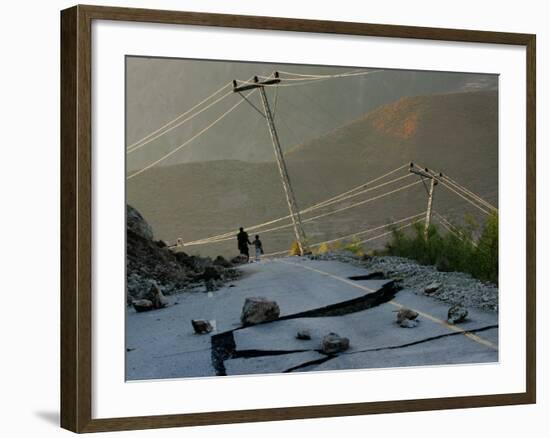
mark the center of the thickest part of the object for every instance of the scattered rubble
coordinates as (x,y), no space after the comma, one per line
(456,314)
(201,326)
(151,262)
(259,309)
(456,287)
(239,260)
(221,261)
(334,343)
(303,335)
(210,285)
(211,272)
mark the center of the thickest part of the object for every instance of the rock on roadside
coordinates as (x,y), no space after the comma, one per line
(432,287)
(405,314)
(137,224)
(155,295)
(142,305)
(201,326)
(334,343)
(456,314)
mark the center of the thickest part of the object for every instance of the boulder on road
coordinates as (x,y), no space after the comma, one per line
(303,335)
(456,314)
(334,343)
(406,314)
(201,326)
(142,305)
(259,309)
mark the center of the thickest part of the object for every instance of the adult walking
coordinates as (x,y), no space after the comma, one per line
(243,242)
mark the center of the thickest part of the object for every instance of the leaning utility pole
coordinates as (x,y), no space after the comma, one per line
(289,193)
(426,174)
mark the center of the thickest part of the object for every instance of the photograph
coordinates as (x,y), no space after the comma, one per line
(292,218)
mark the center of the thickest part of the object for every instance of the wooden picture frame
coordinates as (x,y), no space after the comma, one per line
(76,217)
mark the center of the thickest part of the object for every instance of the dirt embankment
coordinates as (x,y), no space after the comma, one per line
(149,260)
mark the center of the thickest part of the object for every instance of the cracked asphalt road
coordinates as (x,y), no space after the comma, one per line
(165,346)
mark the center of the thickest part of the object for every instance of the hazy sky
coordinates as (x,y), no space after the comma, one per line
(160,89)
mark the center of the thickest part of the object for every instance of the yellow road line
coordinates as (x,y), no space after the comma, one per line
(342,279)
(445,324)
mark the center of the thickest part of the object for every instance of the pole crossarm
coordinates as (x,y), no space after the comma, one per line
(256,84)
(426,173)
(454,187)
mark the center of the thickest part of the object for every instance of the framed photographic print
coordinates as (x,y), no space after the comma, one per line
(268,218)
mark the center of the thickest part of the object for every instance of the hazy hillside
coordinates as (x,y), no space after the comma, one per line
(453,133)
(160,89)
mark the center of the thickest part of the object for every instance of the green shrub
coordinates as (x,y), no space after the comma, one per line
(355,247)
(452,251)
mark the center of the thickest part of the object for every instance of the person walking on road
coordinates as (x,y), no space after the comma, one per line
(243,242)
(259,249)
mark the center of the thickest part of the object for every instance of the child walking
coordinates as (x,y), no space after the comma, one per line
(258,245)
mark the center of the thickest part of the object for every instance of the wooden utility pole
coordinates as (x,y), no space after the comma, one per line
(426,174)
(283,171)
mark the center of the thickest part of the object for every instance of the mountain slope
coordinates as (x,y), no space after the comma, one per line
(453,133)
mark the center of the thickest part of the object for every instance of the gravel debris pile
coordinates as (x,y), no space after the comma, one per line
(457,288)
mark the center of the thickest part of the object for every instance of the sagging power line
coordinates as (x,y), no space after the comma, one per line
(296,79)
(164,157)
(302,79)
(342,197)
(147,138)
(355,191)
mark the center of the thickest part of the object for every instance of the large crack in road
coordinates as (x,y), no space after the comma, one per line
(224,346)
